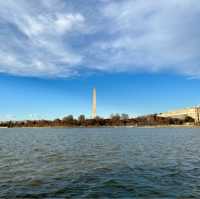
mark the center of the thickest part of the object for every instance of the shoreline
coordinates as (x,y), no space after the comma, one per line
(131,126)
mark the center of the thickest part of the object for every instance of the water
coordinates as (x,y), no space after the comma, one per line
(100,163)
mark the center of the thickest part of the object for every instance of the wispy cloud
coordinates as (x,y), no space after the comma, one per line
(63,38)
(32,37)
(153,35)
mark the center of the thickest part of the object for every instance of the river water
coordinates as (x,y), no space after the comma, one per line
(100,163)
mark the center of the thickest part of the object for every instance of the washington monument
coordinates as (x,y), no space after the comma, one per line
(94,103)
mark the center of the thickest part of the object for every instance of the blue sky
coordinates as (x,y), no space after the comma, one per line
(142,56)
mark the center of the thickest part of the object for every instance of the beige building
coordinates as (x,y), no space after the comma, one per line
(193,112)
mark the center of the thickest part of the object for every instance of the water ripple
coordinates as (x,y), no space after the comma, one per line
(100,163)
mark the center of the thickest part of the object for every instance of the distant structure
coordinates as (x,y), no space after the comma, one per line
(193,112)
(94,103)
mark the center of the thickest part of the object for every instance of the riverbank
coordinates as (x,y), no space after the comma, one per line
(114,121)
(128,126)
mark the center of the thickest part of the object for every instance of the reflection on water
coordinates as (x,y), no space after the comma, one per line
(100,163)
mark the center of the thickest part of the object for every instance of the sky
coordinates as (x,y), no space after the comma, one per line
(142,56)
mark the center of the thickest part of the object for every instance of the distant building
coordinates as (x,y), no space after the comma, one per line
(193,112)
(94,103)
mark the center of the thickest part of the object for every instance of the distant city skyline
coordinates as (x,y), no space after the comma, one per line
(134,94)
(142,56)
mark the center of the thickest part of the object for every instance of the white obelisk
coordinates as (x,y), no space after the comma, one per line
(94,103)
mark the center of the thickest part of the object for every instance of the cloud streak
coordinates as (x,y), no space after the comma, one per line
(63,38)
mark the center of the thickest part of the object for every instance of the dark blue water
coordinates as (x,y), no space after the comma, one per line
(100,163)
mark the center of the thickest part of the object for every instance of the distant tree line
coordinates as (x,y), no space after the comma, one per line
(114,120)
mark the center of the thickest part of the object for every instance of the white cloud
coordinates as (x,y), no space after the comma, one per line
(152,35)
(37,48)
(65,22)
(60,38)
